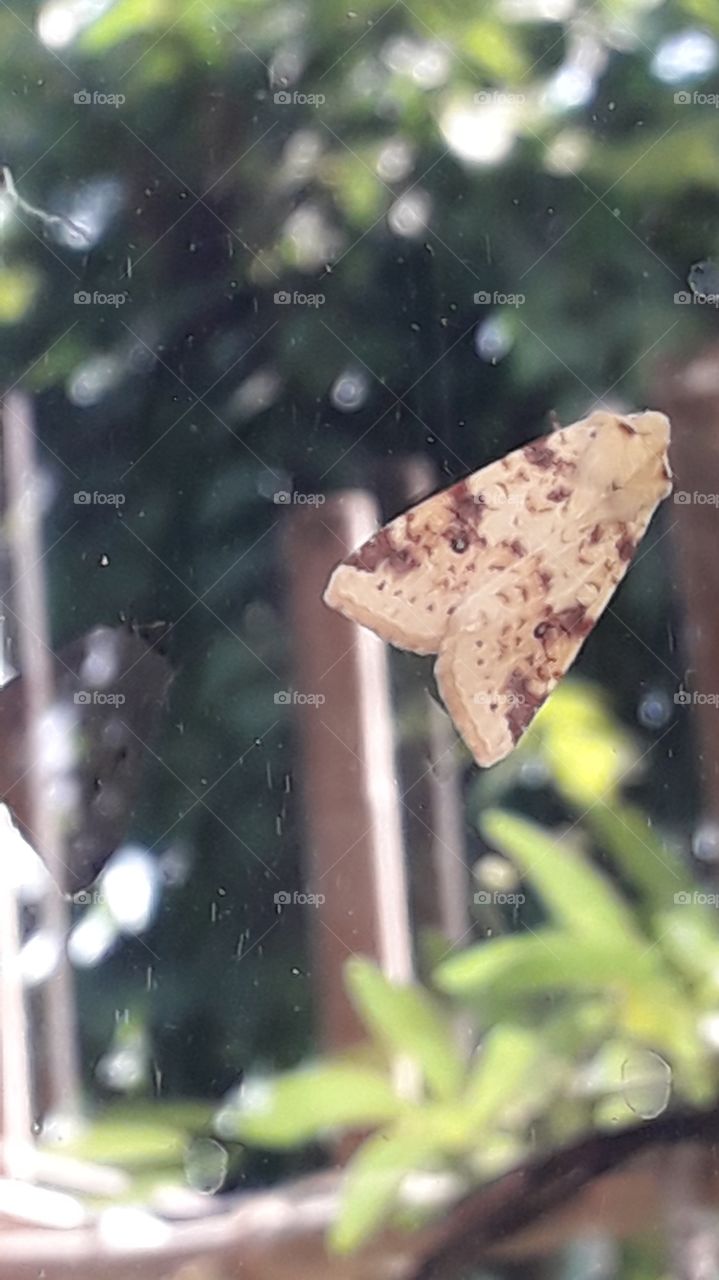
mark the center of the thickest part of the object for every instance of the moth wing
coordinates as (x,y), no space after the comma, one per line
(406,582)
(511,641)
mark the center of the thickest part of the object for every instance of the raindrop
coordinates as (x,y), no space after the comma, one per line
(423,61)
(493,339)
(409,215)
(206,1164)
(349,392)
(703,280)
(256,393)
(646,1083)
(103,560)
(93,379)
(705,842)
(654,709)
(495,872)
(395,160)
(534,773)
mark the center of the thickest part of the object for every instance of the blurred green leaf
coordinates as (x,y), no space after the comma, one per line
(507,1057)
(512,967)
(643,859)
(574,893)
(371,1182)
(305,1104)
(407,1022)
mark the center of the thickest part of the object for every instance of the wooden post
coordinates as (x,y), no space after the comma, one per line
(59,1068)
(690,395)
(15,1099)
(430,761)
(353,814)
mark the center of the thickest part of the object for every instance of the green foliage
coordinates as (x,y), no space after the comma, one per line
(594,1018)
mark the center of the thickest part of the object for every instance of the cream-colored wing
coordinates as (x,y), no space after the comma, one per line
(513,638)
(407,581)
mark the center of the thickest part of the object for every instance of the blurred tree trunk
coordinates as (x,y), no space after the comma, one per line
(354,842)
(690,395)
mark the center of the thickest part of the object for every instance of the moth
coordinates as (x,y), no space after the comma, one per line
(110,687)
(504,574)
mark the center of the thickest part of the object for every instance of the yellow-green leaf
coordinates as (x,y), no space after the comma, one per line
(406,1021)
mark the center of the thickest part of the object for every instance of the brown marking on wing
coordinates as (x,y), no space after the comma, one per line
(596,534)
(523,706)
(560,494)
(540,455)
(517,548)
(412,536)
(467,512)
(625,545)
(380,549)
(465,504)
(573,618)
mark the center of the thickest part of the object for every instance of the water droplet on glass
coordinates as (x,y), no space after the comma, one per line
(703,280)
(395,160)
(103,560)
(705,842)
(493,339)
(424,61)
(409,215)
(646,1083)
(349,392)
(206,1164)
(654,709)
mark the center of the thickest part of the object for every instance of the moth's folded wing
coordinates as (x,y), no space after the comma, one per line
(501,658)
(406,582)
(510,642)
